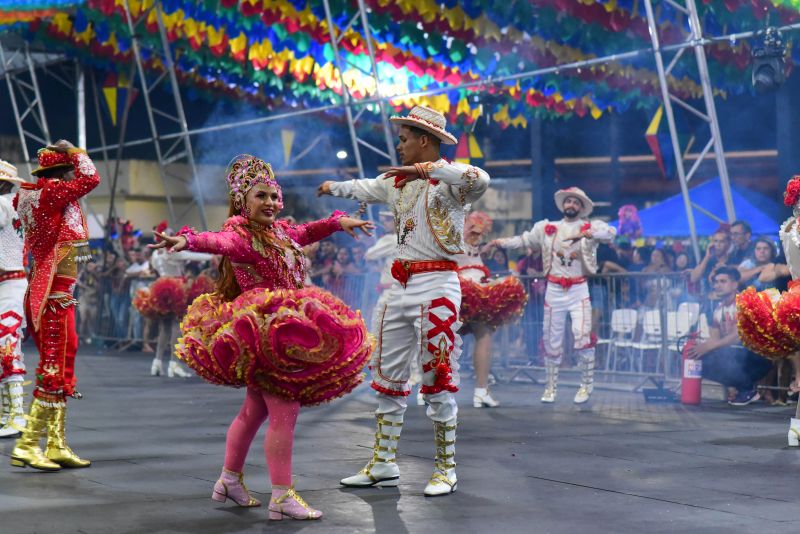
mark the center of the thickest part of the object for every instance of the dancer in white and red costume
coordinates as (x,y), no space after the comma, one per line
(13,284)
(486,303)
(569,254)
(170,266)
(427,196)
(768,320)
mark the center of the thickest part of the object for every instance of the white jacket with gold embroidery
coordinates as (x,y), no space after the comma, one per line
(429,214)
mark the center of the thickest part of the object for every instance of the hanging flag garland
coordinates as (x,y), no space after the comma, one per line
(277,53)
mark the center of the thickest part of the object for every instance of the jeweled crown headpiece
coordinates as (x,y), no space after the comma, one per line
(243,172)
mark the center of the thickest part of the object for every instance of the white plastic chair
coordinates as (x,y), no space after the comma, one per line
(623,324)
(692,309)
(651,337)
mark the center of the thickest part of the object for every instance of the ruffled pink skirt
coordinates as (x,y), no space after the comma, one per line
(494,303)
(301,344)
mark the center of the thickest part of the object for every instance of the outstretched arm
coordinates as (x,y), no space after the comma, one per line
(371,191)
(311,232)
(229,243)
(467,183)
(531,239)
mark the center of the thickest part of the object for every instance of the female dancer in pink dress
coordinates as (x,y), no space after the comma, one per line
(289,345)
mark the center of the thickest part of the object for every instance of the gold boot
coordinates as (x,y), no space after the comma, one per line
(57,448)
(26,451)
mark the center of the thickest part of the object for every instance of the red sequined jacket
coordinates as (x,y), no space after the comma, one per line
(55,227)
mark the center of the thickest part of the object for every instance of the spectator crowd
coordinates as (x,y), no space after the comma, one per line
(641,275)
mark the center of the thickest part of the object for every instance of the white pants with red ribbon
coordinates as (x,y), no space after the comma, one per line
(12,321)
(419,322)
(575,302)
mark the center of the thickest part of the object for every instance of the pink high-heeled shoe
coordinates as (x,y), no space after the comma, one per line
(285,502)
(231,486)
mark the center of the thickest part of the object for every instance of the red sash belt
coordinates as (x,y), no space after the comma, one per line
(565,281)
(11,275)
(403,269)
(62,285)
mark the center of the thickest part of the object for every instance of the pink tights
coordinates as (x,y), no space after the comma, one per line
(278,440)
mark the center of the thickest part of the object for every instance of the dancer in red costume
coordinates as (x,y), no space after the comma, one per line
(57,238)
(486,304)
(289,345)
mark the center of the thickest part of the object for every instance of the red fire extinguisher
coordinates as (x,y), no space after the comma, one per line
(692,377)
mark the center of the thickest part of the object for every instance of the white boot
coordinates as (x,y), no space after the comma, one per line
(482,398)
(444,480)
(382,469)
(587,378)
(176,369)
(16,418)
(551,368)
(794,433)
(157,367)
(5,405)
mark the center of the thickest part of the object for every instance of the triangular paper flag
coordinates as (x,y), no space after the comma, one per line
(110,94)
(287,137)
(655,122)
(462,150)
(475,151)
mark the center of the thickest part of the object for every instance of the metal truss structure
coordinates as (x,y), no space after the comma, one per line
(178,147)
(360,17)
(19,70)
(171,137)
(709,116)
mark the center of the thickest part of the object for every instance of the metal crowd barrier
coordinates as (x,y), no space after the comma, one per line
(639,319)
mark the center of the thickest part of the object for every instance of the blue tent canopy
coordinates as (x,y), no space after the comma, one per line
(668,218)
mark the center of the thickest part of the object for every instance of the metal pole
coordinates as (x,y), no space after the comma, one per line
(100,127)
(137,54)
(15,108)
(80,93)
(673,132)
(187,142)
(123,128)
(711,110)
(346,98)
(37,95)
(387,132)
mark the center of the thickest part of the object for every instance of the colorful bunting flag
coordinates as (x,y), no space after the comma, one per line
(287,138)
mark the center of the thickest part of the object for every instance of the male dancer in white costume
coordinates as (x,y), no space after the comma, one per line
(427,196)
(569,254)
(13,285)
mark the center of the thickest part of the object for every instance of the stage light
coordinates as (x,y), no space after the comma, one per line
(341,154)
(768,62)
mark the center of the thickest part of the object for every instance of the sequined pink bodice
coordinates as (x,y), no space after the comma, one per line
(272,263)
